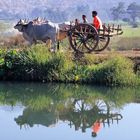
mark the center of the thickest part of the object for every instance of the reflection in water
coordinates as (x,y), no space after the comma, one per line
(81,106)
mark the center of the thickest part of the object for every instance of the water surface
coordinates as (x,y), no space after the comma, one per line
(59,111)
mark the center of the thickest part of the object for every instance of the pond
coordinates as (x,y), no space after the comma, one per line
(33,111)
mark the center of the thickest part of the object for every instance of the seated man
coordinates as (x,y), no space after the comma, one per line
(96,20)
(76,21)
(84,19)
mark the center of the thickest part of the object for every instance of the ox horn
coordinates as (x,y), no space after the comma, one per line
(22,21)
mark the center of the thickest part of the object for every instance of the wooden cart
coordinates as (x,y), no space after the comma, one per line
(84,38)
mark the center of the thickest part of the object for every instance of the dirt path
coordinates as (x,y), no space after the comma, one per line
(131,54)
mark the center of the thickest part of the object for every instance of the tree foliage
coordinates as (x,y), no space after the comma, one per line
(134,11)
(118,11)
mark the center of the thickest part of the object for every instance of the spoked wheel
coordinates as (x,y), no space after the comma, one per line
(83,38)
(103,43)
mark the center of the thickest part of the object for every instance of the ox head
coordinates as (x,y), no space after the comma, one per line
(20,25)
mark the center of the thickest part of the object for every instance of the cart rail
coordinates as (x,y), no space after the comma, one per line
(111,30)
(85,38)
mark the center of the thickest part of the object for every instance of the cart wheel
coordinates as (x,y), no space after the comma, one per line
(83,38)
(103,43)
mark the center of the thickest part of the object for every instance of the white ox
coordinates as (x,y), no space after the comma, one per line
(44,31)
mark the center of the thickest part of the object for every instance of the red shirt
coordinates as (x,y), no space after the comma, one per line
(96,127)
(97,22)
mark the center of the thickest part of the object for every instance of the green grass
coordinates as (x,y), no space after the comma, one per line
(131,32)
(117,70)
(129,40)
(38,64)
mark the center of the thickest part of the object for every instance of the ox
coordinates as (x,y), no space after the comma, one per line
(43,31)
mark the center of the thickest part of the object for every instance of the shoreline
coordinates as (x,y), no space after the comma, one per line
(37,64)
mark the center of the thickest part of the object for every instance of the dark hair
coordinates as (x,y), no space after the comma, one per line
(83,15)
(94,12)
(94,134)
(77,19)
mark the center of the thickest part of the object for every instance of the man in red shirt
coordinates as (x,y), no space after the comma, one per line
(96,127)
(96,20)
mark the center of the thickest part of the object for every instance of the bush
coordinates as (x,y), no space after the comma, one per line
(48,66)
(116,71)
(38,64)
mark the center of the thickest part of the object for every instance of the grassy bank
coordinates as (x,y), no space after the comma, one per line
(38,64)
(129,40)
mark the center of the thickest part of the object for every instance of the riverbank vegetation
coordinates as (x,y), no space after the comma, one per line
(38,64)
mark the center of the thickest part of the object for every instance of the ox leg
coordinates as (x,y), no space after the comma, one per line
(54,45)
(32,42)
(58,45)
(50,43)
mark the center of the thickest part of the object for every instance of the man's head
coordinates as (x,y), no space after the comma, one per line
(94,13)
(94,134)
(77,20)
(83,17)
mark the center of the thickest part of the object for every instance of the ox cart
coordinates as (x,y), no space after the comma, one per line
(84,38)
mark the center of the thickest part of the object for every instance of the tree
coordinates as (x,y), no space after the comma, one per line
(118,11)
(134,11)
